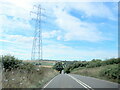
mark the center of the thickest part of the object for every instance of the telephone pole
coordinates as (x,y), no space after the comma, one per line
(37,40)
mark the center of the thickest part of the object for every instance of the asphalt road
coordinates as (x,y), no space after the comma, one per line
(80,82)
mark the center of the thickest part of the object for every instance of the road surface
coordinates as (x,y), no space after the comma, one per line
(79,82)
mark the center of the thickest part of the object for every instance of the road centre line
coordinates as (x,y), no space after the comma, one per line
(81,83)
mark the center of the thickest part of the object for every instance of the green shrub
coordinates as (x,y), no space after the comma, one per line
(58,66)
(94,63)
(27,66)
(111,72)
(0,58)
(111,61)
(67,69)
(10,62)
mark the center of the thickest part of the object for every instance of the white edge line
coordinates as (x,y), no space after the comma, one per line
(49,82)
(81,83)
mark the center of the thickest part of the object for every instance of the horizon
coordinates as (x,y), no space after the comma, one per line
(72,30)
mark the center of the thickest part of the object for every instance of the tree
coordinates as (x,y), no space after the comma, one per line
(58,66)
(10,62)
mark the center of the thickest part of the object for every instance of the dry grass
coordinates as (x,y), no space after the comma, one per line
(27,79)
(46,66)
(46,63)
(88,71)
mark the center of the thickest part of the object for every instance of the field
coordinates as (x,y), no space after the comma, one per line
(44,63)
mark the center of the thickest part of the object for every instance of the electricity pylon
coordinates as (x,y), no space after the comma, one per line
(37,40)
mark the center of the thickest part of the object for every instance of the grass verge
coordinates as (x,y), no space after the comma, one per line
(104,72)
(27,79)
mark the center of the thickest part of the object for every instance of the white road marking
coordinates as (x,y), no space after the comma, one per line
(81,83)
(48,83)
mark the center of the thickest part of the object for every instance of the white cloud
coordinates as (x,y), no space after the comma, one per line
(71,29)
(13,24)
(60,51)
(75,29)
(18,39)
(15,8)
(15,52)
(59,37)
(16,42)
(15,16)
(51,34)
(1,40)
(17,45)
(94,9)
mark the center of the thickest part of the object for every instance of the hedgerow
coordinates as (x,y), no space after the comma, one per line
(10,62)
(111,72)
(91,64)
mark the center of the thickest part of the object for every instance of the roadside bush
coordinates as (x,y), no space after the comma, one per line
(27,66)
(94,63)
(37,64)
(0,58)
(10,62)
(74,65)
(67,69)
(111,61)
(111,72)
(58,66)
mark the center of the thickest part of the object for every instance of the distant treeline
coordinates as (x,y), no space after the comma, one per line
(90,64)
(110,70)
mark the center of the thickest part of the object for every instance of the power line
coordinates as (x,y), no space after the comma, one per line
(37,40)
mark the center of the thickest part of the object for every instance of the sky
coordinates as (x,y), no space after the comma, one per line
(71,30)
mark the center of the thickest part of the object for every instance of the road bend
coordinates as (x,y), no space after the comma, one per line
(80,82)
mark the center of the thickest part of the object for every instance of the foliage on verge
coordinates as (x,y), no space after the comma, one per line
(111,72)
(58,66)
(19,74)
(108,69)
(91,64)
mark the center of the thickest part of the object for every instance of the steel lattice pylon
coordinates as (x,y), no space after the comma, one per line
(37,40)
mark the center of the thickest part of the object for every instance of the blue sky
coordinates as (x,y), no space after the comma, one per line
(72,30)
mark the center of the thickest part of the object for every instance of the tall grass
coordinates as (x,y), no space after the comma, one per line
(23,79)
(17,74)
